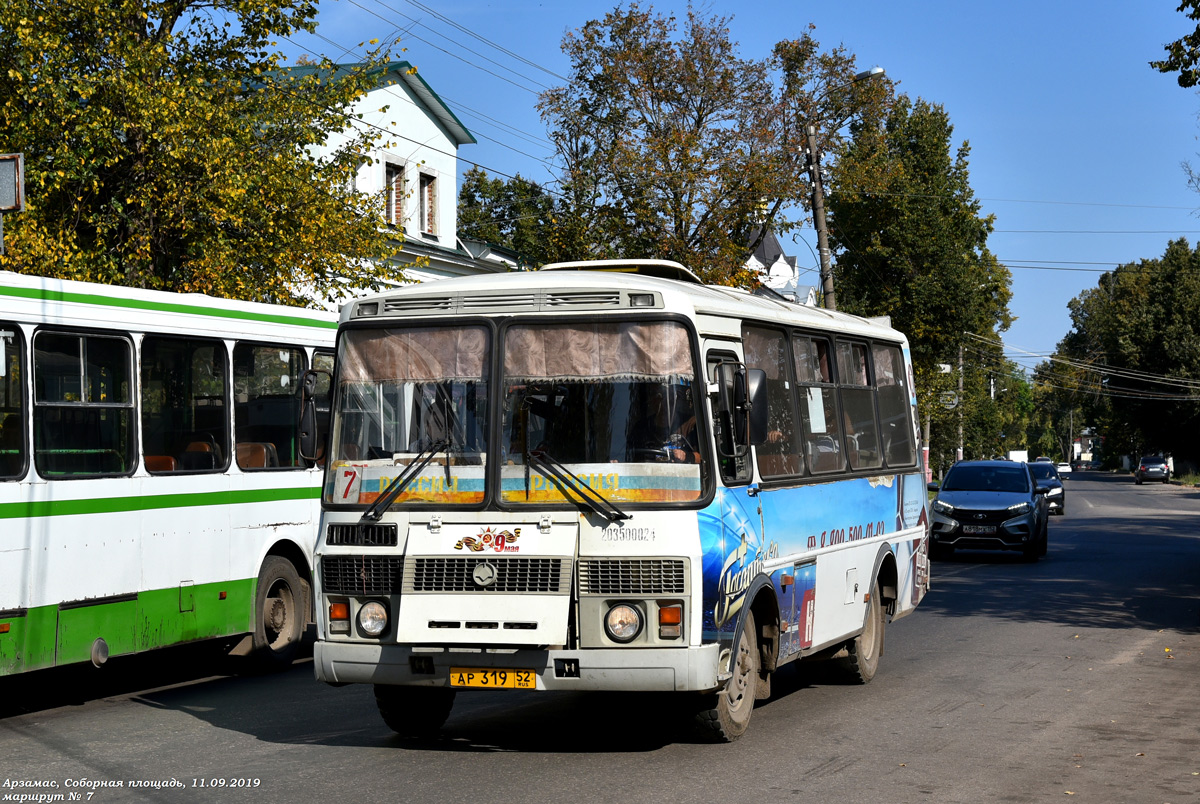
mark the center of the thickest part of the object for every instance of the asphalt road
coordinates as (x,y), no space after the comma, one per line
(1076,678)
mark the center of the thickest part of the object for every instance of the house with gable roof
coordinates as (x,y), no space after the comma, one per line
(779,272)
(416,164)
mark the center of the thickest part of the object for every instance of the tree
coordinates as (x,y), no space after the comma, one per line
(912,245)
(513,214)
(677,147)
(1138,334)
(1183,55)
(167,147)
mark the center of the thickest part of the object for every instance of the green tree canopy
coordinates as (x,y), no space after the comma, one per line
(166,147)
(513,214)
(675,146)
(1137,333)
(912,245)
(1183,55)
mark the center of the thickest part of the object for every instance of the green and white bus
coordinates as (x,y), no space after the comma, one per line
(151,486)
(607,476)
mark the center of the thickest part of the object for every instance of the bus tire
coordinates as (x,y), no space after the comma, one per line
(863,652)
(281,604)
(726,715)
(414,711)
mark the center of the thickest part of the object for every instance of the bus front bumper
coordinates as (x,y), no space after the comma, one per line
(636,670)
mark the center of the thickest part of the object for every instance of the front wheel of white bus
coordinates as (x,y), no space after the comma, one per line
(729,716)
(414,711)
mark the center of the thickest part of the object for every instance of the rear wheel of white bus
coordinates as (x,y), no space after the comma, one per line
(281,605)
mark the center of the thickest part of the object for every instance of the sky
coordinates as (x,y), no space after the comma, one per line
(1077,144)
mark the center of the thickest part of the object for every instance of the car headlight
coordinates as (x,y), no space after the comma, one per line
(1020,508)
(623,623)
(372,618)
(1054,492)
(943,507)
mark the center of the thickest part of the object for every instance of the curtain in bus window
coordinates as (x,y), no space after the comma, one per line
(819,415)
(584,352)
(898,431)
(418,354)
(12,402)
(82,406)
(767,350)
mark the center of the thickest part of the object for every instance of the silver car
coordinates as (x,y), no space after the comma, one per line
(1152,467)
(990,505)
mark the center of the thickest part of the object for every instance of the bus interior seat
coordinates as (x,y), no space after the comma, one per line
(257,455)
(200,455)
(161,463)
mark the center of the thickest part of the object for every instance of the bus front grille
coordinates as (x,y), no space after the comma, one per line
(632,576)
(361,575)
(355,535)
(546,576)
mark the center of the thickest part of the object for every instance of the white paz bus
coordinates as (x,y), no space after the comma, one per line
(152,490)
(609,476)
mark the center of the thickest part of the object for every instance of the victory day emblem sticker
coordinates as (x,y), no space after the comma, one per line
(503,541)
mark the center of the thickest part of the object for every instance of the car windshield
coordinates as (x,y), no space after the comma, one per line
(987,478)
(1042,471)
(1152,461)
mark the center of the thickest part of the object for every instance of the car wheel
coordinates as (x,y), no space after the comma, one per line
(1137,480)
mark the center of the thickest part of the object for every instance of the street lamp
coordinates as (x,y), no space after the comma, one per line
(818,203)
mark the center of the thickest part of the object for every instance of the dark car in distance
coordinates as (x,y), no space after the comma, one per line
(1047,474)
(990,505)
(1152,467)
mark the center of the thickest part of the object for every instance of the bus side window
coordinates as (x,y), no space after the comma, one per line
(83,405)
(895,408)
(266,408)
(767,350)
(13,451)
(858,406)
(185,420)
(819,412)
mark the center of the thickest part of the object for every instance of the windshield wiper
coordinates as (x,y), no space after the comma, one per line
(400,483)
(589,499)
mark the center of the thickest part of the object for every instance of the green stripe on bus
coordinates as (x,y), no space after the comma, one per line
(46,636)
(168,307)
(150,502)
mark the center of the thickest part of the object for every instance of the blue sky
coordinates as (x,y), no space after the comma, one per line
(1076,143)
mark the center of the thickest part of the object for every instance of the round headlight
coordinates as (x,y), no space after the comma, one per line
(372,618)
(623,623)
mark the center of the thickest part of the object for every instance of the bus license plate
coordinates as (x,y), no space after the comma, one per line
(979,529)
(481,678)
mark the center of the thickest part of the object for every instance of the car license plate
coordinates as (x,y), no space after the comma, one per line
(979,529)
(481,678)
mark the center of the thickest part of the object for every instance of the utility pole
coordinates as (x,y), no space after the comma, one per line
(818,210)
(960,406)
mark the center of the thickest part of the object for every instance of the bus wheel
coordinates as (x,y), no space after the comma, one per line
(414,711)
(864,650)
(726,718)
(280,613)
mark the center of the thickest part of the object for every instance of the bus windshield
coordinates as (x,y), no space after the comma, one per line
(612,404)
(615,402)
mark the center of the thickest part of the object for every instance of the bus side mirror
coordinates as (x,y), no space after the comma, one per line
(742,400)
(756,403)
(314,415)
